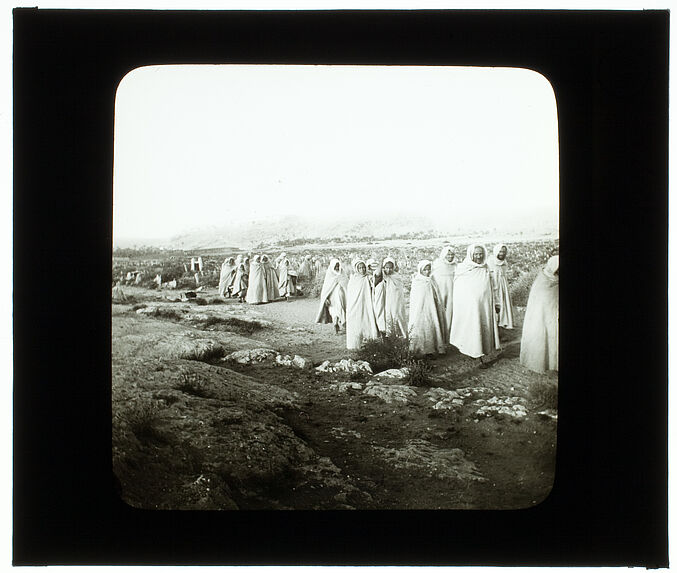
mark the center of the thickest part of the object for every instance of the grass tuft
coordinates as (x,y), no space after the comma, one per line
(192,384)
(419,372)
(386,353)
(142,418)
(232,324)
(209,352)
(543,394)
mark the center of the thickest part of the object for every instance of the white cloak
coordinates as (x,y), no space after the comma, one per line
(360,318)
(474,330)
(256,291)
(333,296)
(540,333)
(427,333)
(395,321)
(501,292)
(443,272)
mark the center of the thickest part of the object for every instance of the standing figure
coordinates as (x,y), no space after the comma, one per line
(360,319)
(395,323)
(378,293)
(444,270)
(540,333)
(474,330)
(279,259)
(305,272)
(319,264)
(427,331)
(228,270)
(498,268)
(271,279)
(240,283)
(256,290)
(333,297)
(285,285)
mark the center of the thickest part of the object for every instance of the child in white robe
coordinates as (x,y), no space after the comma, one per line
(395,322)
(427,332)
(360,318)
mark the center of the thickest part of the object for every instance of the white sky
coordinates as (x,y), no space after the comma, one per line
(208,145)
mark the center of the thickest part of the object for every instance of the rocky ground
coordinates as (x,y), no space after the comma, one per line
(222,405)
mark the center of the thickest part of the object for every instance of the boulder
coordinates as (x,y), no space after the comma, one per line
(510,406)
(250,356)
(444,399)
(423,456)
(346,365)
(392,376)
(390,392)
(345,386)
(295,362)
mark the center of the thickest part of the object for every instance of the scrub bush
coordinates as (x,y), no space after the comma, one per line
(385,353)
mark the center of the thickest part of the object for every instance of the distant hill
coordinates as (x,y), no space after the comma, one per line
(292,230)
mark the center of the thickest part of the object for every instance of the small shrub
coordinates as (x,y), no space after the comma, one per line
(142,418)
(210,280)
(205,353)
(520,288)
(199,301)
(313,287)
(216,301)
(170,313)
(192,384)
(232,324)
(385,353)
(543,394)
(419,372)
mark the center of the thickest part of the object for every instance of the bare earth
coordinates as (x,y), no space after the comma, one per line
(194,431)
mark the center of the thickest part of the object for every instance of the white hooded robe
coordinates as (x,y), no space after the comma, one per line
(501,292)
(395,321)
(333,296)
(427,332)
(360,318)
(540,333)
(444,272)
(474,330)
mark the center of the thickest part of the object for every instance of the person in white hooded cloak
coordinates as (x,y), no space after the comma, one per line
(305,270)
(285,285)
(540,333)
(427,330)
(333,297)
(444,271)
(270,278)
(256,290)
(498,268)
(240,283)
(395,322)
(360,318)
(378,293)
(227,276)
(474,330)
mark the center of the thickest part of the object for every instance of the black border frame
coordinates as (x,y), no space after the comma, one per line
(609,70)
